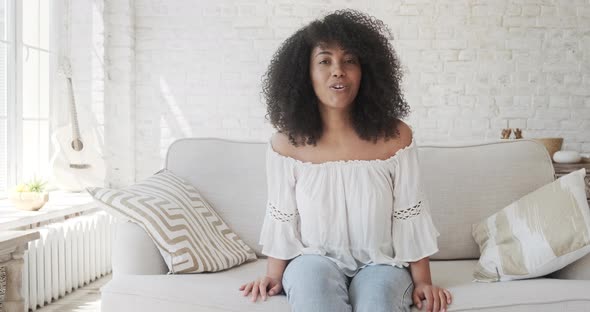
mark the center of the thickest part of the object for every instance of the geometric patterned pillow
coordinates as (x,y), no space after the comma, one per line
(190,235)
(538,234)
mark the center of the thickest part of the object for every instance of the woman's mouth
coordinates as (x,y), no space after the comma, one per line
(338,87)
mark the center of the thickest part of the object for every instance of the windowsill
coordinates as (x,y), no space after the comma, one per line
(61,205)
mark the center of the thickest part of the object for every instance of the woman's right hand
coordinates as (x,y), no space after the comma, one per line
(260,287)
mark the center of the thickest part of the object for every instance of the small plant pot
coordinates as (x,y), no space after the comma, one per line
(29,200)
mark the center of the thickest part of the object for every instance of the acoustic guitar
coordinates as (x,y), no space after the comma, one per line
(77,162)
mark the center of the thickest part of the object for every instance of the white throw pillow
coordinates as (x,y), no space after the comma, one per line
(190,235)
(538,234)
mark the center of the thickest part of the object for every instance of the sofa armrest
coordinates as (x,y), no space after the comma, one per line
(134,252)
(579,270)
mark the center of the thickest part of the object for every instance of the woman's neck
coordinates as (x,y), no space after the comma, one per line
(337,126)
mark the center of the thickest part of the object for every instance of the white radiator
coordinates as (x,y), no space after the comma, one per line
(69,255)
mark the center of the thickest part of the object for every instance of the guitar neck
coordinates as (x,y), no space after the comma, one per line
(73,112)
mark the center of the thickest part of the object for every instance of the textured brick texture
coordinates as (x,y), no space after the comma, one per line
(193,68)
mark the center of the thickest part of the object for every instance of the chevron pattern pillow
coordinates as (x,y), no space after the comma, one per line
(190,235)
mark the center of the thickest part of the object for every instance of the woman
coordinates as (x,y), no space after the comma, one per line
(346,213)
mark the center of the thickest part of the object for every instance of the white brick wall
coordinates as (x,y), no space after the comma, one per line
(119,51)
(471,67)
(83,44)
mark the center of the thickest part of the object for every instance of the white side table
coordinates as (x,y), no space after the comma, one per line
(12,248)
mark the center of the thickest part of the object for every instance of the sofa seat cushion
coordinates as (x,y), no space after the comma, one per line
(540,294)
(219,291)
(188,292)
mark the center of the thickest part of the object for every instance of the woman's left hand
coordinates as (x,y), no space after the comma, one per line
(437,298)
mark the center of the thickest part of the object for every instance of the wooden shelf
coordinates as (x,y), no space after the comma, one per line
(61,206)
(567,168)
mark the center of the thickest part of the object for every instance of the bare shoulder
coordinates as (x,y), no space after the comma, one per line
(281,144)
(405,134)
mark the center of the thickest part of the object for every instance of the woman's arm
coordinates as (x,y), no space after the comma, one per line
(421,271)
(437,298)
(276,267)
(271,282)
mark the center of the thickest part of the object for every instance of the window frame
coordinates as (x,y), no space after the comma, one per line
(15,76)
(12,124)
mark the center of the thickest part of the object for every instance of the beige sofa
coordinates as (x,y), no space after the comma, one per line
(465,184)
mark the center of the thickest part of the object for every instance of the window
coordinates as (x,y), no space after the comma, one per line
(7,50)
(35,88)
(27,56)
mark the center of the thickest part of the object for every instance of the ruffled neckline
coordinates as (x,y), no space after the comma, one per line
(343,162)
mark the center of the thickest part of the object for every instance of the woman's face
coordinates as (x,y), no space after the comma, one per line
(335,75)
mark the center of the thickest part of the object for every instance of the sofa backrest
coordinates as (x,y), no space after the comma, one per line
(465,184)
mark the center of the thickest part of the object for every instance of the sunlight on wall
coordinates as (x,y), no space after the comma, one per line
(173,123)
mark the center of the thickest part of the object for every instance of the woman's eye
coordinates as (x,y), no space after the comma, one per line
(351,61)
(324,62)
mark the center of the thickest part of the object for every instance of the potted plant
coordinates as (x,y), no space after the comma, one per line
(30,196)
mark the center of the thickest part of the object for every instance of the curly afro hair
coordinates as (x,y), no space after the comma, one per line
(287,87)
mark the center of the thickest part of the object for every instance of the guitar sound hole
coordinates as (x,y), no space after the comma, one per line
(77,145)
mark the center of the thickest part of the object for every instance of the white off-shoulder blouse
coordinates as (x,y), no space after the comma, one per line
(354,212)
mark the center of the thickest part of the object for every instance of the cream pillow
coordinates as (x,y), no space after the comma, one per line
(538,234)
(191,237)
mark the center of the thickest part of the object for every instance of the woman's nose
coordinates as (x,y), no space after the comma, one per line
(337,72)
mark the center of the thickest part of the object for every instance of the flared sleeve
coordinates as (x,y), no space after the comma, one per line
(414,233)
(280,235)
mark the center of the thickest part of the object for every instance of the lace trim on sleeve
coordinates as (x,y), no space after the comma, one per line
(278,215)
(408,213)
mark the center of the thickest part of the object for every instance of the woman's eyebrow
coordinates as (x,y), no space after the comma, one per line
(327,52)
(324,52)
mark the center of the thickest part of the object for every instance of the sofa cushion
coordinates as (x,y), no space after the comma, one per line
(191,237)
(219,291)
(188,292)
(536,235)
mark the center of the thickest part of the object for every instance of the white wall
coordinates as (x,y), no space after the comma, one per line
(472,68)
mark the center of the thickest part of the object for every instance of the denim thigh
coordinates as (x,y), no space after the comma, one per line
(381,288)
(315,283)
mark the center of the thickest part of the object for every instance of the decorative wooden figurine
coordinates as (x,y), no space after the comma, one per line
(518,133)
(506,133)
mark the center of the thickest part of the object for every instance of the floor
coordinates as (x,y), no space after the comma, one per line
(85,299)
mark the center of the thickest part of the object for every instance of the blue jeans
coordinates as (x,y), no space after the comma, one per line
(315,283)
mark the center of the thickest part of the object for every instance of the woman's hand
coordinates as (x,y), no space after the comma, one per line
(261,285)
(437,298)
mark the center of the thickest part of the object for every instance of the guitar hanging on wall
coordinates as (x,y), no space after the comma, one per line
(77,162)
